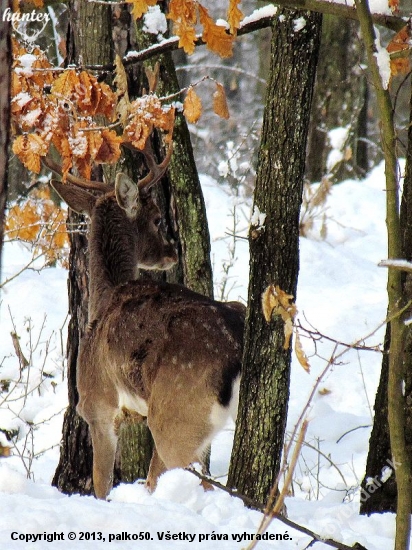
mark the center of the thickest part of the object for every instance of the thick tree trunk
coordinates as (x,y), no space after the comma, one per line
(5,65)
(89,38)
(274,251)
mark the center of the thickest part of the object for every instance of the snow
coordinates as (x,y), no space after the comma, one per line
(267,11)
(383,60)
(299,24)
(155,21)
(341,293)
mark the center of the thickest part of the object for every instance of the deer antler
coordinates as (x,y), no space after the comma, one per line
(76,180)
(156,171)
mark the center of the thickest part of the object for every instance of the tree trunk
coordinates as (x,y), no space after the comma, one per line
(274,254)
(89,39)
(378,497)
(338,102)
(5,65)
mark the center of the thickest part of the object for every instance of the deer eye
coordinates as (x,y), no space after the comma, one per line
(158,222)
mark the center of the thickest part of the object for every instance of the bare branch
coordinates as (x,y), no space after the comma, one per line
(261,507)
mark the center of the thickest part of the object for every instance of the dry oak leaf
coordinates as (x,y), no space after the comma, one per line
(215,36)
(140,7)
(183,10)
(66,83)
(275,301)
(184,15)
(219,102)
(88,93)
(30,148)
(107,103)
(23,222)
(401,42)
(234,16)
(187,37)
(300,354)
(394,6)
(192,106)
(109,150)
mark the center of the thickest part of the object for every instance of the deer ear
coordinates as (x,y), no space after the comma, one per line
(127,194)
(78,199)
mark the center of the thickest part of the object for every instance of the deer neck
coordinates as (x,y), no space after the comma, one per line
(112,255)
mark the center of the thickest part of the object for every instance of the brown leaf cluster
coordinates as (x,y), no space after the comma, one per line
(145,114)
(400,45)
(276,301)
(65,116)
(40,223)
(186,14)
(192,105)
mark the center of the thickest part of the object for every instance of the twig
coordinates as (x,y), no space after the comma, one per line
(352,430)
(17,348)
(261,508)
(27,266)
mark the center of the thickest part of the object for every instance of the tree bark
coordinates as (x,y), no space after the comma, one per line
(5,66)
(89,39)
(381,497)
(274,254)
(396,375)
(338,102)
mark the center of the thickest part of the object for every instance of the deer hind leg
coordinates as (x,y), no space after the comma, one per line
(104,440)
(156,469)
(178,445)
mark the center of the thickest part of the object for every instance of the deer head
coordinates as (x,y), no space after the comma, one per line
(154,349)
(126,226)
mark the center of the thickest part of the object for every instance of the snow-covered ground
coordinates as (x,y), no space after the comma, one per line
(341,294)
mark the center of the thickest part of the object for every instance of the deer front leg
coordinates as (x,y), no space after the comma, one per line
(104,440)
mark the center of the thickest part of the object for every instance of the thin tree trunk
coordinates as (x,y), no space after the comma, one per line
(189,207)
(396,375)
(379,496)
(274,251)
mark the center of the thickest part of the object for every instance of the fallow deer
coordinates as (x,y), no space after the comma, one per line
(158,349)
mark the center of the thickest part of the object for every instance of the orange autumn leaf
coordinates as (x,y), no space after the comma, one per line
(234,16)
(276,301)
(65,83)
(300,354)
(30,148)
(187,37)
(140,7)
(183,14)
(219,102)
(37,3)
(182,10)
(215,36)
(394,6)
(109,150)
(107,103)
(192,106)
(400,43)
